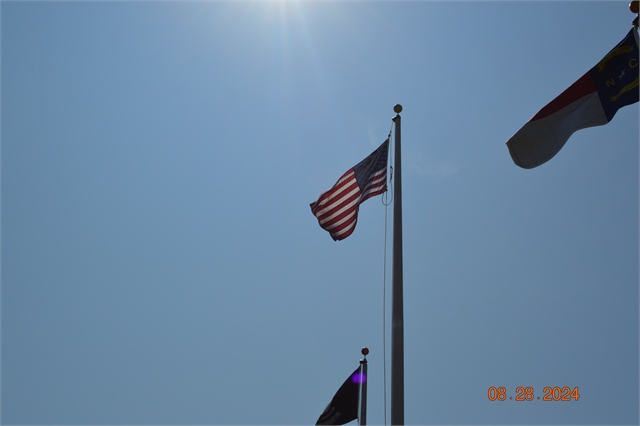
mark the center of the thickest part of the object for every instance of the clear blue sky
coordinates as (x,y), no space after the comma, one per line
(160,263)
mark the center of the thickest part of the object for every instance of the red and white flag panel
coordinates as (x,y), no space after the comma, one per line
(591,101)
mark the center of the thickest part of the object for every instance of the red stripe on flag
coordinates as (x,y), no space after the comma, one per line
(581,88)
(376,185)
(336,209)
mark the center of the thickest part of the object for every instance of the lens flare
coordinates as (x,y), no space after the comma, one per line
(358,378)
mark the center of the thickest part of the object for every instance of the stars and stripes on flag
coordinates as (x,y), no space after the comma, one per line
(591,101)
(337,208)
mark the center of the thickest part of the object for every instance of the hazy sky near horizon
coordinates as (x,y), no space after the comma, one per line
(160,262)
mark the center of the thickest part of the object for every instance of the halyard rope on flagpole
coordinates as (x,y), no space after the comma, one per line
(389,156)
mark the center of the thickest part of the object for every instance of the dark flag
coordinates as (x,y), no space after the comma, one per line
(591,101)
(343,408)
(337,208)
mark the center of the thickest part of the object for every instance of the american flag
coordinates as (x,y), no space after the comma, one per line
(337,208)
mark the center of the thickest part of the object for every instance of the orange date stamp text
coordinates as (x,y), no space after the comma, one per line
(522,393)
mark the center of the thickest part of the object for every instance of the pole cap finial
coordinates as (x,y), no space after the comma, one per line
(633,6)
(365,351)
(397,108)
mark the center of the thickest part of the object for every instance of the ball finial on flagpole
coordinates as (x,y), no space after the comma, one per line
(365,351)
(397,108)
(634,7)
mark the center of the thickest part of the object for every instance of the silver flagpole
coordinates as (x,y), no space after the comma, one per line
(363,384)
(397,309)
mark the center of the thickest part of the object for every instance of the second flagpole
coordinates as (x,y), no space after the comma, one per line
(363,387)
(397,308)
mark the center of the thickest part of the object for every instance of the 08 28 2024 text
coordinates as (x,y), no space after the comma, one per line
(549,393)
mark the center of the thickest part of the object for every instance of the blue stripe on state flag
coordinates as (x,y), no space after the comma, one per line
(616,76)
(337,208)
(591,101)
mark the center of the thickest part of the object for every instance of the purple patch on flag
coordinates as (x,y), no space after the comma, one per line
(358,378)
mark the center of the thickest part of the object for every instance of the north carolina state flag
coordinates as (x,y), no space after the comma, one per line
(591,101)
